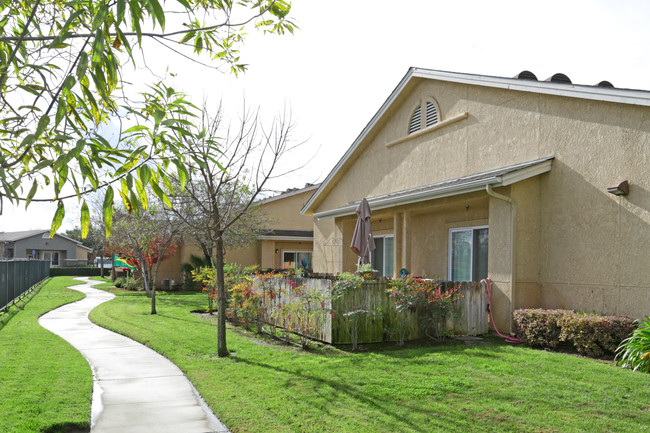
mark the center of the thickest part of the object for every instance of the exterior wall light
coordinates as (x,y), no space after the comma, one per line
(621,188)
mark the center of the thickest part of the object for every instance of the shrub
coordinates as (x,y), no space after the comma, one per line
(594,335)
(589,334)
(133,284)
(539,327)
(119,282)
(426,295)
(634,351)
(75,272)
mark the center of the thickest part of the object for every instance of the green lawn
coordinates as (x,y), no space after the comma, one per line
(446,388)
(45,384)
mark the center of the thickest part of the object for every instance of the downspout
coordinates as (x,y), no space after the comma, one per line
(513,212)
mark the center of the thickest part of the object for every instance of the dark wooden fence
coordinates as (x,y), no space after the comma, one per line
(378,319)
(19,276)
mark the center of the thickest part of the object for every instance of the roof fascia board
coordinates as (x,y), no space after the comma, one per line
(285,238)
(339,165)
(525,173)
(623,96)
(465,188)
(287,194)
(412,198)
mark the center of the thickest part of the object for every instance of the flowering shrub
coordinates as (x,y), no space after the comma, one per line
(207,278)
(436,306)
(345,283)
(634,351)
(589,334)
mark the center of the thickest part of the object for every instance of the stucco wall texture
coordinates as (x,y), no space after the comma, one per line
(576,246)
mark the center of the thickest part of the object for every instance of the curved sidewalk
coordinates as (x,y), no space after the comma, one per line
(135,389)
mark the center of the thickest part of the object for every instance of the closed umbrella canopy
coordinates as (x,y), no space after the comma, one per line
(362,241)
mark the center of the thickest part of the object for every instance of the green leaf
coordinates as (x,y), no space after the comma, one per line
(42,124)
(82,66)
(58,219)
(98,49)
(85,220)
(158,12)
(142,193)
(32,191)
(144,172)
(121,8)
(100,17)
(108,211)
(182,174)
(161,195)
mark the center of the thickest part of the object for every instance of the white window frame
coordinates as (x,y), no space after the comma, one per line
(449,253)
(381,271)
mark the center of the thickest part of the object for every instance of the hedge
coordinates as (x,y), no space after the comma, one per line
(77,272)
(589,334)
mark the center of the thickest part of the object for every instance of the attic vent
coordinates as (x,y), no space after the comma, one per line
(526,75)
(559,78)
(416,121)
(605,84)
(432,114)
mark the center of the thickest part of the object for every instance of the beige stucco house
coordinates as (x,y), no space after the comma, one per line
(473,176)
(286,241)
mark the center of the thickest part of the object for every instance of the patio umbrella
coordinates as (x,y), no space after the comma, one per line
(362,241)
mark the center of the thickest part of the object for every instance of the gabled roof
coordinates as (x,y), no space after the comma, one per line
(289,193)
(461,185)
(621,96)
(16,236)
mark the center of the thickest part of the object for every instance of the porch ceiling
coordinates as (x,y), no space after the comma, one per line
(461,185)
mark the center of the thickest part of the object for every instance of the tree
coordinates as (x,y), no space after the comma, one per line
(61,79)
(220,194)
(146,238)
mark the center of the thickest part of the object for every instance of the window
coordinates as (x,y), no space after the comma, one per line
(382,257)
(431,116)
(297,259)
(468,253)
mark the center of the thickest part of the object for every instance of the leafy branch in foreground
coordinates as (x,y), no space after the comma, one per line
(62,81)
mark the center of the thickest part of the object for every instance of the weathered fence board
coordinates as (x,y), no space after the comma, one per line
(379,320)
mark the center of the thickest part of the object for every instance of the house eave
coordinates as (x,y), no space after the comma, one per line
(286,238)
(417,195)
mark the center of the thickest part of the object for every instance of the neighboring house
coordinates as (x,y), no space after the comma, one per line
(472,176)
(37,245)
(286,241)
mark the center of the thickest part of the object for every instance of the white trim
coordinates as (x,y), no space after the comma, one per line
(622,96)
(435,126)
(462,229)
(286,238)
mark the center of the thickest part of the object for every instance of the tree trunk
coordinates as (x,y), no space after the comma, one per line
(207,255)
(101,261)
(222,350)
(153,300)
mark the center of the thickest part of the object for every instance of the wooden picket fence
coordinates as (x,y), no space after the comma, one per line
(330,322)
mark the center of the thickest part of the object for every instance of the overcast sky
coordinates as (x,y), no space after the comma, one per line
(336,71)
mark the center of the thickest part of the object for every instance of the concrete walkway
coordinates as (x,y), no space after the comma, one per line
(135,389)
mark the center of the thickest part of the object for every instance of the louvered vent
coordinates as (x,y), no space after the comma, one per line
(432,114)
(416,121)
